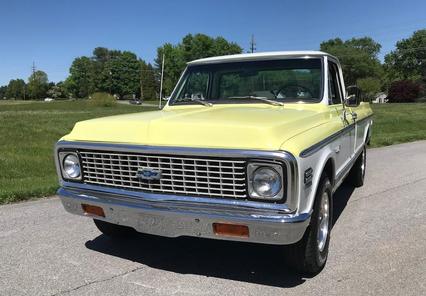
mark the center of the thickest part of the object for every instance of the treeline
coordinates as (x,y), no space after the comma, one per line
(124,74)
(116,72)
(121,73)
(402,75)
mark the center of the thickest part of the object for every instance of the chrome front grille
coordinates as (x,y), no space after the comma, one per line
(195,175)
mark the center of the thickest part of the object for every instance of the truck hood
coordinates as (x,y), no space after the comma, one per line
(248,126)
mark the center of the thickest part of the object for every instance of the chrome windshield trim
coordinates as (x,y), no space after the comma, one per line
(282,156)
(173,100)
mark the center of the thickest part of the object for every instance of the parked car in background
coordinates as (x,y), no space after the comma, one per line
(135,102)
(249,147)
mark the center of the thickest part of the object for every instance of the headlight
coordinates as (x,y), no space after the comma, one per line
(71,166)
(265,181)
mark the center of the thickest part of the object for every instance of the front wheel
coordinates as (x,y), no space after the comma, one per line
(310,254)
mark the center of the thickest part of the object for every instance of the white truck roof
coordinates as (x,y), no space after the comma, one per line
(270,55)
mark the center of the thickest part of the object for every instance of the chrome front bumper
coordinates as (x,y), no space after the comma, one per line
(173,218)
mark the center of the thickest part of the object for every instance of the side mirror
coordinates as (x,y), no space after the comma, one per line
(353,96)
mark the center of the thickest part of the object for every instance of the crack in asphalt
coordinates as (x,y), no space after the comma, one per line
(97,281)
(387,190)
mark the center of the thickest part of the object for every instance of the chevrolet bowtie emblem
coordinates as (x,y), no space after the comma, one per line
(148,174)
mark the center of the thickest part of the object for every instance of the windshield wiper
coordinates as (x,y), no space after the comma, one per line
(201,102)
(263,99)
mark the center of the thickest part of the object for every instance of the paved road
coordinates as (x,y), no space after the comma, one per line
(144,104)
(378,248)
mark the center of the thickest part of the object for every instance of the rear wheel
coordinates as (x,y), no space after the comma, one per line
(310,254)
(357,173)
(113,230)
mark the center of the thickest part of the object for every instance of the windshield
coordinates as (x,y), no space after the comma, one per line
(290,80)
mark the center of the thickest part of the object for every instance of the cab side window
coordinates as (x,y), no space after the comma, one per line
(334,90)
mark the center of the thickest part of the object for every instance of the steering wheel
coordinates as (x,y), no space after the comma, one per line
(293,88)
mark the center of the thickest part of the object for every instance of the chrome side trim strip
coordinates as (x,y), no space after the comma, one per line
(316,147)
(283,157)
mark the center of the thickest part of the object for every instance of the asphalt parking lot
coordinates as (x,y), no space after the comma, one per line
(378,247)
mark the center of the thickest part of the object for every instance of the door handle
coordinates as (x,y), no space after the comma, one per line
(346,113)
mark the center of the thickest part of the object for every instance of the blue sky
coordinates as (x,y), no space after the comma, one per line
(53,33)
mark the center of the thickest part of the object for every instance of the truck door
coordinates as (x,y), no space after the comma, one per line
(360,126)
(345,142)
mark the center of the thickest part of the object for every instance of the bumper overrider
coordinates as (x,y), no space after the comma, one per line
(172,215)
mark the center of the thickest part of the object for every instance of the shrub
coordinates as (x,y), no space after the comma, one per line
(404,91)
(101,99)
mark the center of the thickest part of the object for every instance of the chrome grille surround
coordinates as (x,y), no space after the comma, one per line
(285,158)
(195,176)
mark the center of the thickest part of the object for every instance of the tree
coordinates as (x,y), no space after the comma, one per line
(121,75)
(3,90)
(55,91)
(408,60)
(370,86)
(149,86)
(113,71)
(174,63)
(62,89)
(38,85)
(191,47)
(81,81)
(68,87)
(101,55)
(358,56)
(201,46)
(16,89)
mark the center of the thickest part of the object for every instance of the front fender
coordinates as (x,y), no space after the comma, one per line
(317,162)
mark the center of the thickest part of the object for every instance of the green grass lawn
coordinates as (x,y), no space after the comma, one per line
(28,132)
(398,123)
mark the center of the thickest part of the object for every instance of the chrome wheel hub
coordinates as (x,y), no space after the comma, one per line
(323,221)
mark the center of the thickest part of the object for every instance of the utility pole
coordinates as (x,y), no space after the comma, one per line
(142,73)
(252,44)
(110,82)
(161,82)
(33,68)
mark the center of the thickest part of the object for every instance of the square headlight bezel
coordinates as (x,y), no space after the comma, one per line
(61,157)
(279,168)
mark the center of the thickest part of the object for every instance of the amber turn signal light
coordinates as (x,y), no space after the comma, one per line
(93,210)
(226,229)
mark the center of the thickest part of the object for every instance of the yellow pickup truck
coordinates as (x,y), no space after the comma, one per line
(249,147)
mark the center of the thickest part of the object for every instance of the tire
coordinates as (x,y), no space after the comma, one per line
(309,255)
(357,173)
(113,230)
